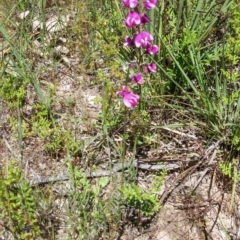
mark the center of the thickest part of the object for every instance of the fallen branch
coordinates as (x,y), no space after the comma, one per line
(190,170)
(104,173)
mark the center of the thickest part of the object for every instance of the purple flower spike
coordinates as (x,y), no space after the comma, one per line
(143,39)
(145,19)
(152,50)
(130,99)
(150,4)
(133,19)
(128,42)
(151,68)
(130,3)
(137,78)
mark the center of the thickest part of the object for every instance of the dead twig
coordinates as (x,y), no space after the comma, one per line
(8,146)
(180,133)
(104,173)
(203,173)
(180,179)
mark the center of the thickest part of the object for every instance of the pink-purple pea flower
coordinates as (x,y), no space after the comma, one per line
(151,68)
(128,42)
(130,3)
(130,99)
(145,19)
(140,40)
(133,19)
(143,39)
(150,4)
(152,49)
(137,78)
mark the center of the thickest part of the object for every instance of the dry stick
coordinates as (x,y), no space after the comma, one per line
(217,214)
(104,173)
(179,133)
(13,153)
(166,194)
(212,183)
(238,225)
(235,180)
(206,169)
(9,147)
(99,173)
(120,167)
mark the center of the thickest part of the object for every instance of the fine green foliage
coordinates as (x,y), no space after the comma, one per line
(89,214)
(230,72)
(145,202)
(228,171)
(136,198)
(12,90)
(18,205)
